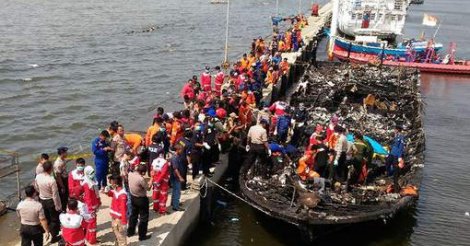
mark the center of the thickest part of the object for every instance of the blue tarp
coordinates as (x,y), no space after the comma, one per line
(378,148)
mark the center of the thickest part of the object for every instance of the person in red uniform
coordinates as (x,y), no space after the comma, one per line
(92,201)
(73,225)
(118,210)
(188,90)
(160,185)
(219,80)
(75,179)
(206,80)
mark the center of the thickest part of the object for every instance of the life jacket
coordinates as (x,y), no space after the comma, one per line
(409,190)
(118,208)
(284,67)
(244,63)
(74,182)
(73,228)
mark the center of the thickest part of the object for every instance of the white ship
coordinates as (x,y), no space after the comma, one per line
(379,18)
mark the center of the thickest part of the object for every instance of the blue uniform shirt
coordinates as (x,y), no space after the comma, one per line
(398,146)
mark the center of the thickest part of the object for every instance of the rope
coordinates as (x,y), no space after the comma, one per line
(236,196)
(204,185)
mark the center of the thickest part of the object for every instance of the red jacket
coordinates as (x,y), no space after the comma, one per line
(91,198)
(206,81)
(73,228)
(75,187)
(187,91)
(161,170)
(219,79)
(118,208)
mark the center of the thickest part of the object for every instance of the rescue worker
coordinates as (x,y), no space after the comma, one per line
(395,157)
(43,159)
(196,151)
(282,126)
(176,128)
(92,201)
(219,80)
(360,155)
(73,225)
(188,90)
(120,147)
(156,149)
(61,175)
(305,167)
(185,142)
(139,202)
(75,180)
(100,149)
(258,148)
(49,198)
(118,209)
(32,218)
(157,124)
(206,82)
(340,149)
(160,184)
(135,142)
(176,178)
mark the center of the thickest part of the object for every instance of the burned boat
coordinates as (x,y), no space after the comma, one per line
(340,89)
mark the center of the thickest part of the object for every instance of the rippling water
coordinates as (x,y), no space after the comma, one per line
(67,68)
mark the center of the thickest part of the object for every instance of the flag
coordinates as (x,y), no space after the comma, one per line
(430,20)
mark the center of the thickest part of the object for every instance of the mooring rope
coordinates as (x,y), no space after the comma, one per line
(235,195)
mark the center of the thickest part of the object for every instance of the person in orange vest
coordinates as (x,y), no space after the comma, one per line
(176,128)
(219,80)
(160,184)
(118,209)
(244,62)
(284,65)
(288,41)
(75,179)
(135,141)
(206,82)
(281,46)
(153,129)
(73,225)
(92,201)
(305,167)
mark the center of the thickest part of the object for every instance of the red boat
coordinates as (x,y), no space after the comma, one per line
(451,67)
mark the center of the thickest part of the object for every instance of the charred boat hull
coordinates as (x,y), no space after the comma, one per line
(365,204)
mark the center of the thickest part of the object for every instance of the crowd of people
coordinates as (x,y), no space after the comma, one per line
(223,113)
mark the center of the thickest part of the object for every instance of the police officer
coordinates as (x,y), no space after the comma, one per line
(49,198)
(33,220)
(140,203)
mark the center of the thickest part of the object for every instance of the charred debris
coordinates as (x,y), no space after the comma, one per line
(340,89)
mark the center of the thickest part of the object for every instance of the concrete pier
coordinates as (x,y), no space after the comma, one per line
(315,25)
(174,228)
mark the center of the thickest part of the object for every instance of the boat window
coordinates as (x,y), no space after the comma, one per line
(400,17)
(380,15)
(372,16)
(398,4)
(353,16)
(393,17)
(359,16)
